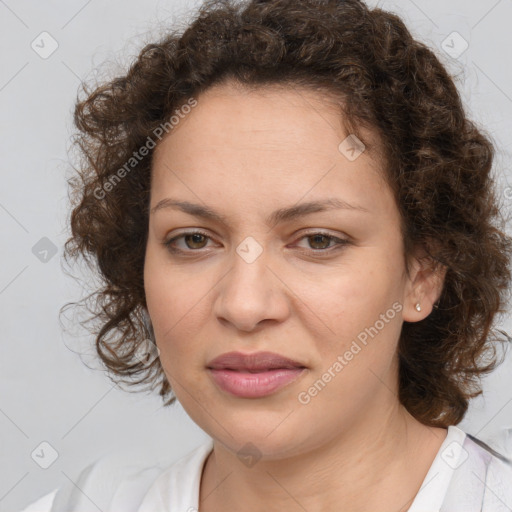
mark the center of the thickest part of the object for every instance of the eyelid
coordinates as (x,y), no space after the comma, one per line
(320,231)
(339,242)
(191,231)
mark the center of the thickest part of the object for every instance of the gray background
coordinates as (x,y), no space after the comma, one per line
(50,394)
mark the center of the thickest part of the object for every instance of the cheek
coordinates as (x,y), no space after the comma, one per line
(165,300)
(178,307)
(168,291)
(362,309)
(357,360)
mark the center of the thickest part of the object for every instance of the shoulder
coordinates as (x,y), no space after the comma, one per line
(482,475)
(497,495)
(43,504)
(177,488)
(117,481)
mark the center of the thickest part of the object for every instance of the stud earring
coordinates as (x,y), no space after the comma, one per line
(418,307)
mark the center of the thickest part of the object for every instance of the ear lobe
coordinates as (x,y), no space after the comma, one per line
(425,286)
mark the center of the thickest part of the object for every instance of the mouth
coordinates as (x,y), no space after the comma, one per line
(249,370)
(253,363)
(254,375)
(254,384)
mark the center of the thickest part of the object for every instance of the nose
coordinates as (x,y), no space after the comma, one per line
(251,295)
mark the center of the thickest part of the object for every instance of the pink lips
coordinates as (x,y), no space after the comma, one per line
(253,375)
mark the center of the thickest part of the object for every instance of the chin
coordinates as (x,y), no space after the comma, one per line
(266,433)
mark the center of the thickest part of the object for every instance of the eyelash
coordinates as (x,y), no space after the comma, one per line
(340,243)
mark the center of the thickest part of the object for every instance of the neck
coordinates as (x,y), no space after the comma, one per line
(389,457)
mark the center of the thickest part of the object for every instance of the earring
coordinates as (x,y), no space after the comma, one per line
(418,307)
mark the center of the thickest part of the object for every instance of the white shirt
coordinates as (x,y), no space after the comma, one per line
(465,476)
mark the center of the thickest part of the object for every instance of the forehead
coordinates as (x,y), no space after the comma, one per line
(262,141)
(273,115)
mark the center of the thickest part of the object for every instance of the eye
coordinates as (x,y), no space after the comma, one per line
(193,240)
(320,242)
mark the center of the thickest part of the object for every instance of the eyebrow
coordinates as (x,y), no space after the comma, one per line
(276,217)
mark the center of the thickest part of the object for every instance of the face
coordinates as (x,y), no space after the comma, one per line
(325,288)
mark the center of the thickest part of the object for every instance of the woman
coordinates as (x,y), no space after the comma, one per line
(288,201)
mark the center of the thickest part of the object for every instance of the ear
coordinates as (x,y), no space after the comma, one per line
(424,285)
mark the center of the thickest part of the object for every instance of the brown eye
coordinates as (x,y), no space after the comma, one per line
(319,241)
(194,240)
(189,242)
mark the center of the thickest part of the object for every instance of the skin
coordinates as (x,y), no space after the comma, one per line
(245,154)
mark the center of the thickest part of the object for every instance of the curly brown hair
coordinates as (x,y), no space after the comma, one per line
(436,161)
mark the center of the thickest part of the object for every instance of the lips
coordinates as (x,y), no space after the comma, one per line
(253,363)
(253,375)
